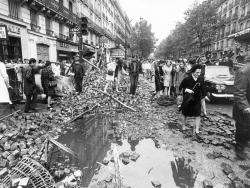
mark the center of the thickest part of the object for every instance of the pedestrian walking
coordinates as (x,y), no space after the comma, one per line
(134,70)
(118,73)
(167,68)
(110,76)
(241,109)
(180,75)
(30,88)
(48,83)
(159,86)
(78,70)
(193,97)
(173,81)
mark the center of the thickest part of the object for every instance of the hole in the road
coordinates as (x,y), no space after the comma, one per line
(139,163)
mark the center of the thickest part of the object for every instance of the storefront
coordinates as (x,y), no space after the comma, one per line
(11,48)
(66,51)
(118,51)
(41,47)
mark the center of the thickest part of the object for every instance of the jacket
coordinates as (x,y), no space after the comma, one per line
(242,96)
(135,67)
(29,81)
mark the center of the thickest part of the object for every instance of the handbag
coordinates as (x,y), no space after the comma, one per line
(52,83)
(110,72)
(188,98)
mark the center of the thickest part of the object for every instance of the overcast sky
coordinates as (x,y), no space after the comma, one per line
(162,14)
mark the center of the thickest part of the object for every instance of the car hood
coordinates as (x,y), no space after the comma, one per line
(217,80)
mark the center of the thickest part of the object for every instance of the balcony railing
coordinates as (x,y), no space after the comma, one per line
(50,32)
(227,33)
(58,8)
(62,36)
(243,2)
(233,31)
(35,28)
(235,16)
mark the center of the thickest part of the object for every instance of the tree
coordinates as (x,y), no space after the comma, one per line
(199,27)
(142,39)
(201,21)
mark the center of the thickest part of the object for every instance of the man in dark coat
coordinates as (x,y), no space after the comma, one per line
(78,70)
(134,70)
(241,109)
(30,88)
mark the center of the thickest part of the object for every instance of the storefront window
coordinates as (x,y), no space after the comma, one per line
(11,49)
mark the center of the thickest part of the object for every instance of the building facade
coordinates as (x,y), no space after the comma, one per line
(233,36)
(45,29)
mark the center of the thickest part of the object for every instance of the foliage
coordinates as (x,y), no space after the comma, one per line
(199,28)
(142,39)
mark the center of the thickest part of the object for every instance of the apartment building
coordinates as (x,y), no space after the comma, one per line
(233,36)
(45,29)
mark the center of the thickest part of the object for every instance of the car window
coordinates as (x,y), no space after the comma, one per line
(217,71)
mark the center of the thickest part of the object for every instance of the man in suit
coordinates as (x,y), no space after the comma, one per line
(79,72)
(30,88)
(134,70)
(241,110)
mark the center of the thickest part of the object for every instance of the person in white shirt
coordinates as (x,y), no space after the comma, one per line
(110,76)
(4,84)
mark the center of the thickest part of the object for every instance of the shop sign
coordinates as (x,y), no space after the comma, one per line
(14,29)
(66,47)
(3,32)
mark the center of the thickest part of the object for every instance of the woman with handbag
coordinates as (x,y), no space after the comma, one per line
(48,82)
(193,97)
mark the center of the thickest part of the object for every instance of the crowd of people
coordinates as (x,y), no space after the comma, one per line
(173,79)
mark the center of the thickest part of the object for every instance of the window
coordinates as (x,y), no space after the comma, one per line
(33,17)
(241,26)
(60,2)
(248,24)
(47,22)
(70,6)
(60,28)
(13,9)
(236,11)
(243,11)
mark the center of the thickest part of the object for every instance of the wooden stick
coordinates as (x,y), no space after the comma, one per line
(91,64)
(80,115)
(116,100)
(10,115)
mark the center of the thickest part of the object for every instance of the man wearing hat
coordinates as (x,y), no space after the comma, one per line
(78,70)
(241,110)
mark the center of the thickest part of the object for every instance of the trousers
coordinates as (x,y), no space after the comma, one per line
(133,82)
(30,100)
(242,136)
(78,82)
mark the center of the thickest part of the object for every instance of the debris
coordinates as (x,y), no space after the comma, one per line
(207,184)
(156,183)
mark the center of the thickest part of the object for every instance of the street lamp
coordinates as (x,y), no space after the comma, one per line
(126,37)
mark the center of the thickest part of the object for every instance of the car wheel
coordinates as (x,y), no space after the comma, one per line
(209,98)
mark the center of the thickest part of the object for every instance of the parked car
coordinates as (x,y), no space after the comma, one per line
(219,82)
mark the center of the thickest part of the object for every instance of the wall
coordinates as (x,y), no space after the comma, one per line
(4,7)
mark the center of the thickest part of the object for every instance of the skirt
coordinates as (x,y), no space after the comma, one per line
(193,109)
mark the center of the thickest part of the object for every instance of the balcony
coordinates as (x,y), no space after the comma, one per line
(233,31)
(35,28)
(235,16)
(56,8)
(62,36)
(50,32)
(243,2)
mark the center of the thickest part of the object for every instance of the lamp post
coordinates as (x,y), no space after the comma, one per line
(126,37)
